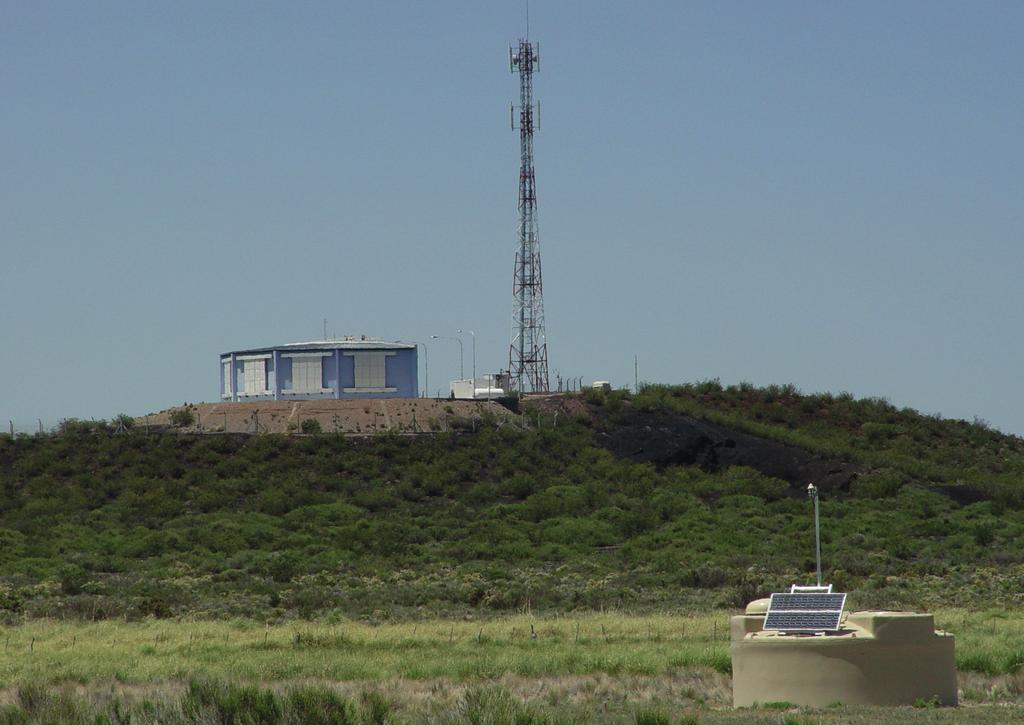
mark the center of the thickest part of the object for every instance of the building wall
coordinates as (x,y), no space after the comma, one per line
(338,371)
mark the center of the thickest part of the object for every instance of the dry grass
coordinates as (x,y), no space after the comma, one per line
(678,699)
(593,668)
(159,649)
(409,699)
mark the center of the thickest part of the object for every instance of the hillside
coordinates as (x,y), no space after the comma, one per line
(674,498)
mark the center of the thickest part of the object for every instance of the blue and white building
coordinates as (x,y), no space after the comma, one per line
(339,369)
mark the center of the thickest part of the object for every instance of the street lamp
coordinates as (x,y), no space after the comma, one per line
(812,491)
(474,354)
(462,372)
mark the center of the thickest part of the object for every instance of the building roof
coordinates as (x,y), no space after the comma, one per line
(343,343)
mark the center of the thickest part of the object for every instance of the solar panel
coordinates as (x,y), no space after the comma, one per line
(805,612)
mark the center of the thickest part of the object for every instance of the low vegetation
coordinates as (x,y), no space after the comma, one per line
(98,521)
(202,702)
(502,572)
(582,669)
(988,643)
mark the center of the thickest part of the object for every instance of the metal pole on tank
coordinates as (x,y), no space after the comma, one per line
(426,369)
(473,335)
(812,491)
(462,373)
(462,358)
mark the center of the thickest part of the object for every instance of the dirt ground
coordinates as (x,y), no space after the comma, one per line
(403,415)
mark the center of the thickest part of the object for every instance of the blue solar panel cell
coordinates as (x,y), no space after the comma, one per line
(803,621)
(805,612)
(807,602)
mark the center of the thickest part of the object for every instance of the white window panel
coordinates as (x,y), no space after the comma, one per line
(227,377)
(255,374)
(370,372)
(307,375)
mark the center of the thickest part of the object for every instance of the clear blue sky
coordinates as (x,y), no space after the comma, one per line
(822,193)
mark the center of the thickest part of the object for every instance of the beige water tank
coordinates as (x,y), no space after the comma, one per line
(876,658)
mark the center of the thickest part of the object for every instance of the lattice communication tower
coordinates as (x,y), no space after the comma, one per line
(528,353)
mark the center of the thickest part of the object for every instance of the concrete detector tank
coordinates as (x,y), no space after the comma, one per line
(876,658)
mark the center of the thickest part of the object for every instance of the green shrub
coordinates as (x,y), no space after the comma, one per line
(45,705)
(651,717)
(33,698)
(750,482)
(929,703)
(878,484)
(72,577)
(984,532)
(376,708)
(230,704)
(879,433)
(497,706)
(778,705)
(585,532)
(316,705)
(557,501)
(983,662)
(183,418)
(310,426)
(12,715)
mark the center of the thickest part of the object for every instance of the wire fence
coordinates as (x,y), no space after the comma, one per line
(37,426)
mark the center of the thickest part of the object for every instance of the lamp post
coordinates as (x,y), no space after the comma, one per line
(812,491)
(473,334)
(462,372)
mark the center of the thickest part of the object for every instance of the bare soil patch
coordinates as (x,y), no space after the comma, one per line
(402,415)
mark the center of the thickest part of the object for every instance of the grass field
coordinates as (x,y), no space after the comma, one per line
(590,668)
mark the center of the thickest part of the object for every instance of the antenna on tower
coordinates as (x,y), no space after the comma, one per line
(528,351)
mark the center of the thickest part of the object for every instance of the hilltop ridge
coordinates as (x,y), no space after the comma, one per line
(675,497)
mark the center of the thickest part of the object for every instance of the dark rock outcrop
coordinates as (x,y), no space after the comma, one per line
(666,439)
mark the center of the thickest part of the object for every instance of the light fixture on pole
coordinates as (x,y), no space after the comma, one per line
(812,491)
(473,334)
(462,371)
